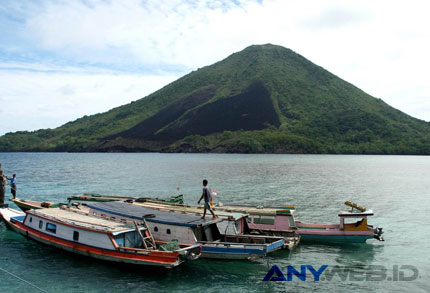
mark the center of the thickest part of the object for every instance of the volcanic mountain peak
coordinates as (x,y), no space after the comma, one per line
(265,98)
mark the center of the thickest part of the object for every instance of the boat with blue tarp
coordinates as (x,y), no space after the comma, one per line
(186,228)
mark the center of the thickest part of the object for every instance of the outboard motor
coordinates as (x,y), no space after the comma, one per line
(377,233)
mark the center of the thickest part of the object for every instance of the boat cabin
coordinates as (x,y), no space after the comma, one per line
(83,229)
(164,225)
(267,218)
(232,222)
(284,219)
(347,216)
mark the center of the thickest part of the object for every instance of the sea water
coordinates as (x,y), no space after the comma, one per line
(396,187)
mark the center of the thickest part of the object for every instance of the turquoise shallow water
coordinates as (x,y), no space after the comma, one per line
(395,187)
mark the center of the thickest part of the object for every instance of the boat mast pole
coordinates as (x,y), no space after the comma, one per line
(2,189)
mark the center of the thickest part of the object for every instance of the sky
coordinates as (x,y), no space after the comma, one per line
(61,60)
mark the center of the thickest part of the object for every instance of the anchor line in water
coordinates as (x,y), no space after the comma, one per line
(19,278)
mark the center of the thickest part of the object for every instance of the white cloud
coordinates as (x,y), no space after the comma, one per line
(122,31)
(381,47)
(34,100)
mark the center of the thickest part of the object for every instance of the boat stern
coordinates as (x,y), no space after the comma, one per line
(190,253)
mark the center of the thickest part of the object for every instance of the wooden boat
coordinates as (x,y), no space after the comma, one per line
(188,228)
(96,237)
(176,199)
(278,220)
(26,205)
(235,222)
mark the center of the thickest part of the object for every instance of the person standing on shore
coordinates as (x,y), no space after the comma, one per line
(207,196)
(12,185)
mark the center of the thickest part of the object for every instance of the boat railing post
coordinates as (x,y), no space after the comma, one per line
(2,189)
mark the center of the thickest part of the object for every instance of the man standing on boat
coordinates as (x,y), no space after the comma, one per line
(207,196)
(12,185)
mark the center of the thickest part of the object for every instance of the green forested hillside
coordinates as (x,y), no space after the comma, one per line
(264,99)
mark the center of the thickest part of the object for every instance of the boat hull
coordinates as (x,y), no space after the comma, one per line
(334,238)
(231,250)
(332,233)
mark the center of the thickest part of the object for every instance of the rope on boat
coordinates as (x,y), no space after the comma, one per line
(19,278)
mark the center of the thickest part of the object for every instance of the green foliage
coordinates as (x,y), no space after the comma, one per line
(259,141)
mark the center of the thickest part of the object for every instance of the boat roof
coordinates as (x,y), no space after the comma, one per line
(80,220)
(150,215)
(255,210)
(355,214)
(187,209)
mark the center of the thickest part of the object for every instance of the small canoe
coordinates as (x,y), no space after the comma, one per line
(176,199)
(26,205)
